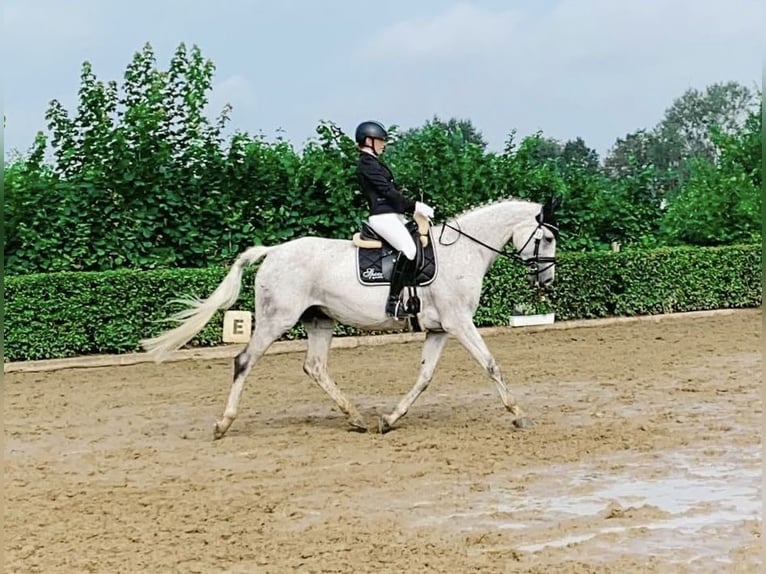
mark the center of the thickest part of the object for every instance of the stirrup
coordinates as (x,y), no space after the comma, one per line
(399,312)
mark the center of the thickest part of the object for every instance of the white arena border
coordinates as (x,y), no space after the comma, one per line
(229,351)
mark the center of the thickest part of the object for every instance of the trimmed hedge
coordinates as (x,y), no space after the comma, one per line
(66,314)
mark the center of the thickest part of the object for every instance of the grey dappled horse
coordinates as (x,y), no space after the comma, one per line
(315,281)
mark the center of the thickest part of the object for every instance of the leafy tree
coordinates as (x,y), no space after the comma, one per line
(462,130)
(325,200)
(577,155)
(687,124)
(683,134)
(634,152)
(721,202)
(538,149)
(126,170)
(141,178)
(444,166)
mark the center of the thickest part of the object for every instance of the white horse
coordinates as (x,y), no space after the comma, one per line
(316,281)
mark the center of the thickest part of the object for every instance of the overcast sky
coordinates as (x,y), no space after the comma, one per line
(597,69)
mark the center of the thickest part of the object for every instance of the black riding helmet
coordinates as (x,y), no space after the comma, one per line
(370,129)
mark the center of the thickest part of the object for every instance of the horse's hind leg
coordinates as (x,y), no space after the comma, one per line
(320,332)
(266,332)
(432,349)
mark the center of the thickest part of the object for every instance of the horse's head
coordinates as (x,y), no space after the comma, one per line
(535,243)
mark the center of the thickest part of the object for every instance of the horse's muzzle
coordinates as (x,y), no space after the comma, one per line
(539,282)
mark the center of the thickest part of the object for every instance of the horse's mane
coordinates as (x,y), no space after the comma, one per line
(490,203)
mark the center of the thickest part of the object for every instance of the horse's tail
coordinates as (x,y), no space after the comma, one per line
(198,313)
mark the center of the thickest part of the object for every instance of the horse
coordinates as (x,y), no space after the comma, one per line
(320,281)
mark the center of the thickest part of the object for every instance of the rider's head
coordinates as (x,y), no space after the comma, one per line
(371,135)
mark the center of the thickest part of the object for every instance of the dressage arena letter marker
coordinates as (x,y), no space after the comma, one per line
(237,326)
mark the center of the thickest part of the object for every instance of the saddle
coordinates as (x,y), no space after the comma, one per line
(375,256)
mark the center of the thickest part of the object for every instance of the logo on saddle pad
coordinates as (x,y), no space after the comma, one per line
(375,257)
(370,274)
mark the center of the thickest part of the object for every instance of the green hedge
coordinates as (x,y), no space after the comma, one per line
(67,314)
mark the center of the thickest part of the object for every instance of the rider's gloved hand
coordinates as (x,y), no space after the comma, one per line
(424,209)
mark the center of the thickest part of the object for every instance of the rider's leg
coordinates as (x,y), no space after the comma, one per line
(391,227)
(403,270)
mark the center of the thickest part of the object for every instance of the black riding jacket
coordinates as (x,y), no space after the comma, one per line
(377,183)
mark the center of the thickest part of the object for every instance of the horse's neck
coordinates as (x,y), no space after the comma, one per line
(493,225)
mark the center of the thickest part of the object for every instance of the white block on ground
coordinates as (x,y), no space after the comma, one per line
(529,320)
(237,326)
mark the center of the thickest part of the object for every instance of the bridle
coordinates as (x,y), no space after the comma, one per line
(533,263)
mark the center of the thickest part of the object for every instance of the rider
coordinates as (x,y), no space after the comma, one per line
(387,208)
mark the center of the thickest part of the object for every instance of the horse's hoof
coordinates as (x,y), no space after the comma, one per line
(383,426)
(217,432)
(357,425)
(523,423)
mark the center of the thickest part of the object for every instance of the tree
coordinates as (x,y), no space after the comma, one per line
(127,163)
(682,135)
(444,164)
(539,149)
(576,154)
(686,126)
(721,202)
(630,154)
(462,131)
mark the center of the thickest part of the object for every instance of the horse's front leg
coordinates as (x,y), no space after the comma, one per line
(432,349)
(469,337)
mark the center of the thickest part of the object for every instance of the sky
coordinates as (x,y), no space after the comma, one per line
(596,69)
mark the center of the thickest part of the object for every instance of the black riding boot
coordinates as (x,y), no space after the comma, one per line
(403,268)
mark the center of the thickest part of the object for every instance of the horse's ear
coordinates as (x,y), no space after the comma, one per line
(552,204)
(549,208)
(547,216)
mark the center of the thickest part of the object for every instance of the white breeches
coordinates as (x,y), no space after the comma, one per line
(391,227)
